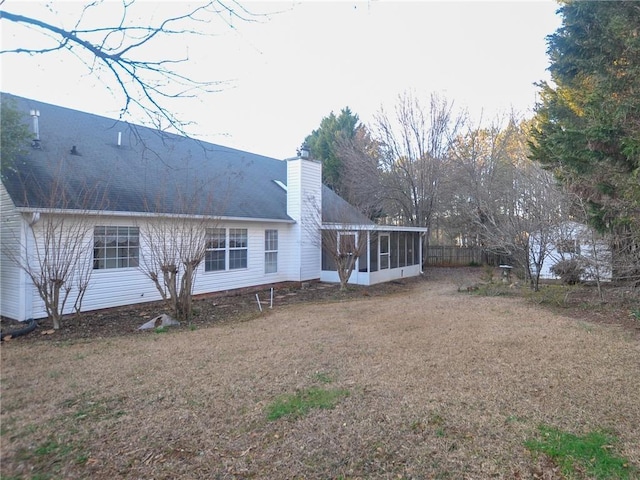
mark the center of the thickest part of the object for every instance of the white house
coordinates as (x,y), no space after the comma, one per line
(262,216)
(573,240)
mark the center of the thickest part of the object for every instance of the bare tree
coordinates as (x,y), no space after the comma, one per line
(520,218)
(175,239)
(60,263)
(626,254)
(120,55)
(54,247)
(414,146)
(174,248)
(597,260)
(479,166)
(340,231)
(360,174)
(344,245)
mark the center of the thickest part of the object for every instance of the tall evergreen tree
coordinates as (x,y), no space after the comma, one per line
(14,133)
(587,124)
(323,144)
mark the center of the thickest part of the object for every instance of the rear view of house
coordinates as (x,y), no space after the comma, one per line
(120,194)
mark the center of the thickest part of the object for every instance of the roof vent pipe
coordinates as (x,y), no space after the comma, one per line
(36,129)
(119,138)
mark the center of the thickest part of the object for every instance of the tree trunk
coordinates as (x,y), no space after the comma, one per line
(184,299)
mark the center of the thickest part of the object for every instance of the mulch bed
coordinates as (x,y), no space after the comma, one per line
(208,310)
(581,303)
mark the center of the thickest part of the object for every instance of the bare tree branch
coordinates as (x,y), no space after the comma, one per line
(414,145)
(360,175)
(123,49)
(175,246)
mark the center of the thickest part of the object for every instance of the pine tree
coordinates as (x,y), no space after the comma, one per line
(587,124)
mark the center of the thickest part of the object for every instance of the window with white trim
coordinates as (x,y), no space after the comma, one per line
(270,251)
(226,249)
(238,248)
(346,243)
(116,247)
(216,251)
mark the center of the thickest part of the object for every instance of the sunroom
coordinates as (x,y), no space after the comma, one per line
(384,252)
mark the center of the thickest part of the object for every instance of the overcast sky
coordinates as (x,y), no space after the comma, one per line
(287,71)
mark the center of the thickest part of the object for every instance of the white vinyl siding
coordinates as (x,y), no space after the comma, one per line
(13,282)
(116,287)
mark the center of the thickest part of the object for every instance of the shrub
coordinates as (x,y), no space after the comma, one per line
(488,273)
(552,295)
(570,271)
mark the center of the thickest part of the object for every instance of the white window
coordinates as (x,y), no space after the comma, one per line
(238,247)
(116,247)
(347,244)
(216,251)
(225,252)
(270,251)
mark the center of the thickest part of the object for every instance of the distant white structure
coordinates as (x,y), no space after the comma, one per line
(573,240)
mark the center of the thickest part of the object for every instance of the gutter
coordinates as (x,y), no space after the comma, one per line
(372,227)
(107,213)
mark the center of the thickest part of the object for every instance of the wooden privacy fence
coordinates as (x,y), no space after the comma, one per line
(449,255)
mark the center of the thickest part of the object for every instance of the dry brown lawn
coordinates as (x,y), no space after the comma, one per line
(441,385)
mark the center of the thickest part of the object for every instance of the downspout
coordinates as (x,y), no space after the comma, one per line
(421,261)
(28,241)
(369,257)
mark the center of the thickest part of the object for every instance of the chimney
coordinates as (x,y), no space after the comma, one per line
(119,139)
(304,205)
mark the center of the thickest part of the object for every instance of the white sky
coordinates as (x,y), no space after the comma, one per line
(288,71)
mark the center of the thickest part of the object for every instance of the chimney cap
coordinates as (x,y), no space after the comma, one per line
(304,152)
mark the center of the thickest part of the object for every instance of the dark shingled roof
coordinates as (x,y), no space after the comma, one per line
(149,171)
